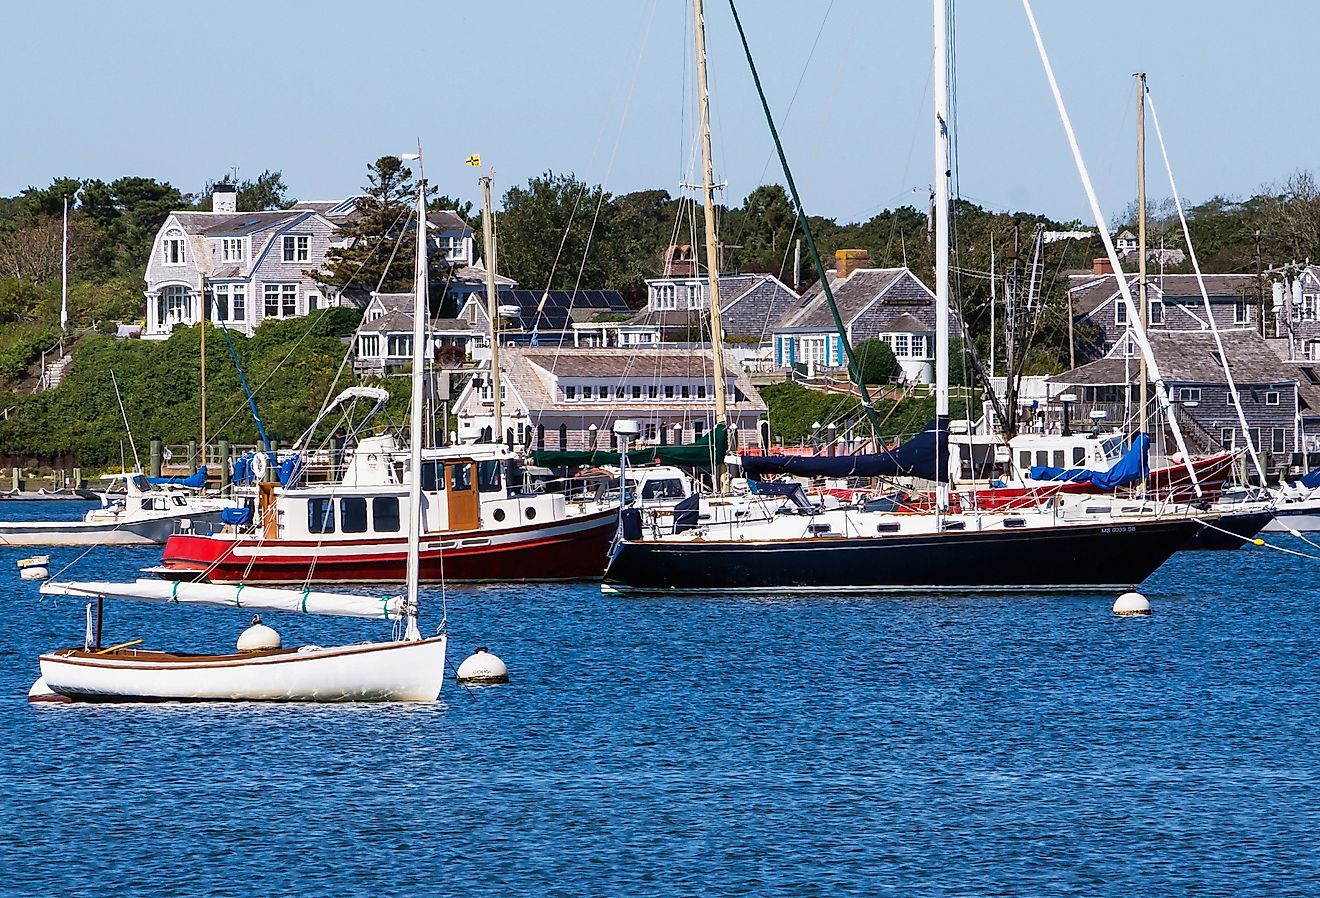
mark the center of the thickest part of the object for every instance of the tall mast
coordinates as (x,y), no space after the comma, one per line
(712,252)
(1142,305)
(420,308)
(206,307)
(492,310)
(941,247)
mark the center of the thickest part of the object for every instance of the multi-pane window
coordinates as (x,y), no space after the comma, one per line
(279,300)
(588,392)
(172,248)
(453,249)
(1120,311)
(1189,394)
(666,297)
(570,394)
(231,249)
(637,392)
(902,343)
(1277,436)
(399,345)
(1227,437)
(1156,315)
(297,248)
(1272,397)
(1241,315)
(369,345)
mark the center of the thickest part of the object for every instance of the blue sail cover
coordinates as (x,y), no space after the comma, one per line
(1311,479)
(196,480)
(1133,466)
(918,457)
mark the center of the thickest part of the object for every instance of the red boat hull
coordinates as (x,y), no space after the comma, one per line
(573,549)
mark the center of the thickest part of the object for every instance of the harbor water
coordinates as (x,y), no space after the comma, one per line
(950,745)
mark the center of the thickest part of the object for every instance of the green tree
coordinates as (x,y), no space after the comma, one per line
(382,229)
(125,215)
(267,192)
(551,236)
(876,360)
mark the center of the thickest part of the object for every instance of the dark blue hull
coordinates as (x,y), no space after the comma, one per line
(1232,531)
(1091,557)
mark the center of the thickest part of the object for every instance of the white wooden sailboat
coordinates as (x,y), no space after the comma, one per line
(406,668)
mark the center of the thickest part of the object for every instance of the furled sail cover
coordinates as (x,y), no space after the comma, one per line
(1133,466)
(918,457)
(1311,479)
(234,596)
(706,450)
(196,480)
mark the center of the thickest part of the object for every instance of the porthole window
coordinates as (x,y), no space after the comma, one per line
(531,513)
(498,514)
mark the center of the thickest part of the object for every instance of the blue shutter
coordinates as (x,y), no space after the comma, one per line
(779,352)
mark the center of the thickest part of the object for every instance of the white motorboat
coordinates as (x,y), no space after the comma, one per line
(133,512)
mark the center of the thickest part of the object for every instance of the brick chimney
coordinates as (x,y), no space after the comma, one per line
(1101,266)
(846,261)
(224,198)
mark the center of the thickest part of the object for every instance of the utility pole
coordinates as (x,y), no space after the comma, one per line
(1141,251)
(712,255)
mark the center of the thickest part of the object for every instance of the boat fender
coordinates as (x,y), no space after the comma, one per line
(258,637)
(482,667)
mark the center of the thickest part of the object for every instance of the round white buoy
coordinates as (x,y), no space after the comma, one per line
(258,637)
(34,572)
(482,667)
(40,692)
(1131,603)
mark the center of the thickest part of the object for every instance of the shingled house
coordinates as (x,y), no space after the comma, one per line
(890,304)
(1275,405)
(570,398)
(1174,300)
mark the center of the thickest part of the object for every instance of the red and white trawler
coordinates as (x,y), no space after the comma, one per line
(478,524)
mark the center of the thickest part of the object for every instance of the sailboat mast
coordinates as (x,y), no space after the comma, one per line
(64,275)
(1142,305)
(942,171)
(492,310)
(420,307)
(201,295)
(712,251)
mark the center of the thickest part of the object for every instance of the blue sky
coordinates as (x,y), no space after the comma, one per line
(602,88)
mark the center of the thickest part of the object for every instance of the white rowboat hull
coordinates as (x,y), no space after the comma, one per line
(149,532)
(368,672)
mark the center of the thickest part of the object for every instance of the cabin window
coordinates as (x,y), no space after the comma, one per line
(353,514)
(433,480)
(460,477)
(1024,459)
(1079,455)
(669,488)
(385,514)
(1272,397)
(1058,458)
(321,515)
(297,249)
(489,476)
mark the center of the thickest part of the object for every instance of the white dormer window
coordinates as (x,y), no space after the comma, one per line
(666,298)
(231,249)
(455,249)
(696,297)
(172,249)
(918,346)
(1156,315)
(1120,311)
(297,248)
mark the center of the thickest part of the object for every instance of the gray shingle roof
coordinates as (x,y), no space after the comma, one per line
(446,221)
(1190,357)
(852,294)
(1089,291)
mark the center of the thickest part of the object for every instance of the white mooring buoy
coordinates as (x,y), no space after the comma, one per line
(258,637)
(1130,604)
(482,667)
(35,568)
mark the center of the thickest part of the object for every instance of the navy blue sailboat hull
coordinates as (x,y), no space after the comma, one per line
(1091,557)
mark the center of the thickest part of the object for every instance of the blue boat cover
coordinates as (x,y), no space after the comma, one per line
(918,457)
(236,515)
(1311,479)
(290,469)
(1133,466)
(196,480)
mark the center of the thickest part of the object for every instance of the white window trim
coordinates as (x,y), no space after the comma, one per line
(1274,394)
(301,253)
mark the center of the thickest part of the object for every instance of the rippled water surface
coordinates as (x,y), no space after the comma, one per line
(945,746)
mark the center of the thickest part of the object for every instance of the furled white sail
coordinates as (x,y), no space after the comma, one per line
(234,596)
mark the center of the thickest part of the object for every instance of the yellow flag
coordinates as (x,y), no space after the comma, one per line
(474,160)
